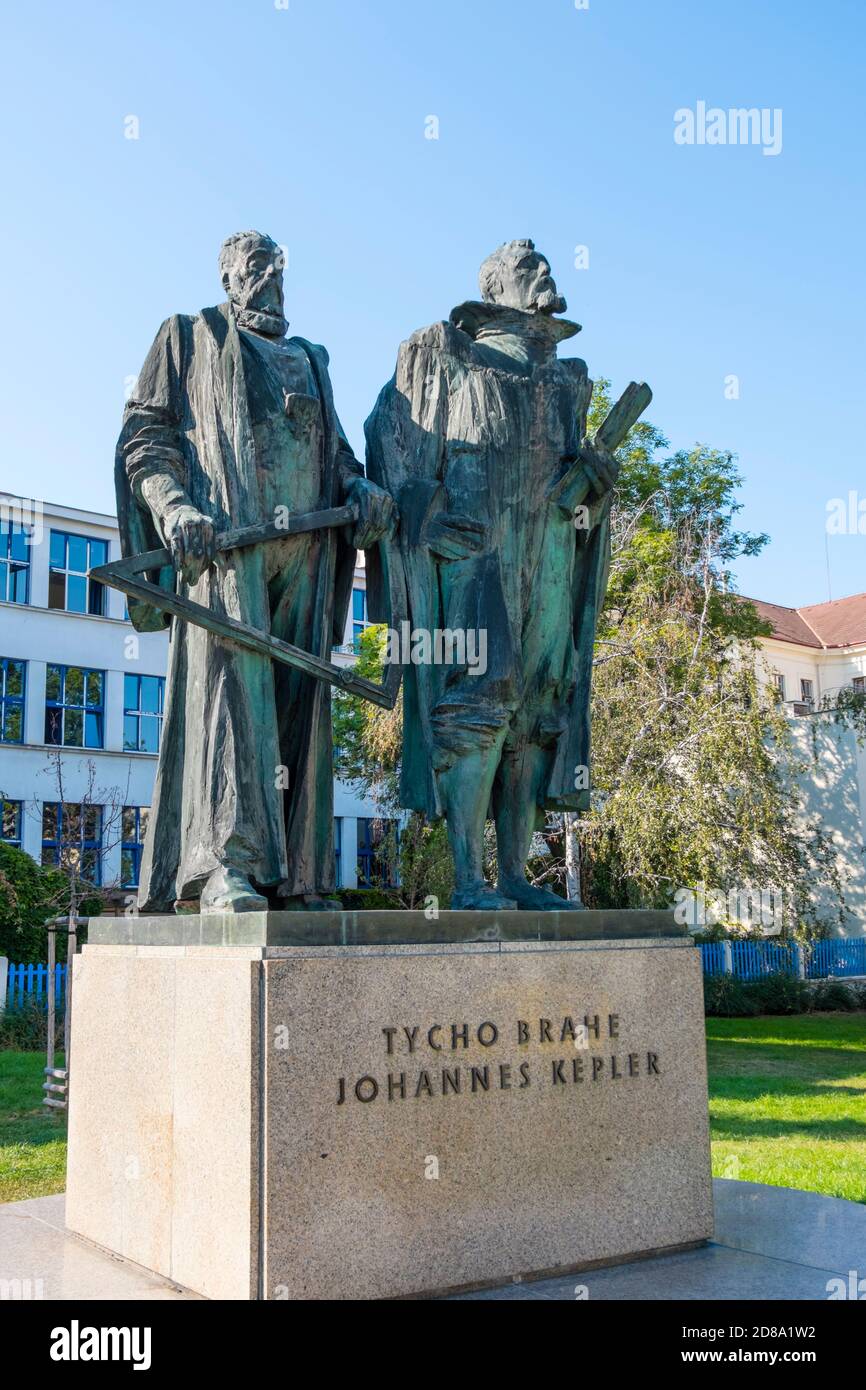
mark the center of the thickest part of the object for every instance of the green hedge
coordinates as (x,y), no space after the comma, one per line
(368,899)
(24,1026)
(726,996)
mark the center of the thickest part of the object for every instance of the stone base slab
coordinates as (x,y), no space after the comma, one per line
(380,928)
(375,1121)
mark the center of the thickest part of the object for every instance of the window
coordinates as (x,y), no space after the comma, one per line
(134,831)
(373,868)
(11,700)
(72,838)
(806,691)
(359,616)
(859,684)
(10,823)
(74,713)
(14,561)
(143,698)
(338,851)
(779,683)
(68,585)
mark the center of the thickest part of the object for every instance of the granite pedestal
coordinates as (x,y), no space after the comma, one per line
(337,1106)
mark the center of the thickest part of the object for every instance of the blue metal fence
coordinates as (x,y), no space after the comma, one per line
(751,959)
(840,957)
(819,960)
(713,953)
(31,981)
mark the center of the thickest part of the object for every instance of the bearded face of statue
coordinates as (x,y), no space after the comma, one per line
(252,274)
(519,277)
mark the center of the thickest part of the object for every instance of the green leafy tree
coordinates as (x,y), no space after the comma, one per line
(695,775)
(366,737)
(29,897)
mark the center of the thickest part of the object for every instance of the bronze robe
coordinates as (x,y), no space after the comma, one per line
(231,722)
(463,428)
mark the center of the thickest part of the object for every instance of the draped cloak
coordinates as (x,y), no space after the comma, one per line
(229,716)
(461,428)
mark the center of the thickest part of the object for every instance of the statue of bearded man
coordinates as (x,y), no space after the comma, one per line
(232,424)
(504,503)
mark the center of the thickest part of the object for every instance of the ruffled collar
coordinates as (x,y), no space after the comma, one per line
(532,337)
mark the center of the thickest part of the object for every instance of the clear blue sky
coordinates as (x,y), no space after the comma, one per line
(555,123)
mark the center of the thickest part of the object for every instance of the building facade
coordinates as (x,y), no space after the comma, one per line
(813,654)
(81,704)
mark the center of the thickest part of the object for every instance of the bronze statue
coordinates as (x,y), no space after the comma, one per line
(232,425)
(504,502)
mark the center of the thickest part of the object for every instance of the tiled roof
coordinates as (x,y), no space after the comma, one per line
(840,623)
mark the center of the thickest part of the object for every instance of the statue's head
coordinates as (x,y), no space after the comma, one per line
(251,270)
(519,277)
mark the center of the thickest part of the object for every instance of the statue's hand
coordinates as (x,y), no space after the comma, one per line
(453,536)
(377,515)
(189,535)
(600,466)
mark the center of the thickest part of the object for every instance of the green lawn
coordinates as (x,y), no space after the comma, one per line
(32,1137)
(787,1107)
(788,1101)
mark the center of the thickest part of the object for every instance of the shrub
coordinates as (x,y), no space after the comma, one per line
(368,899)
(727,997)
(425,864)
(833,996)
(24,1026)
(779,993)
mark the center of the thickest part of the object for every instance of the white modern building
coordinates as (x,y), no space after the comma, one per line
(81,699)
(812,654)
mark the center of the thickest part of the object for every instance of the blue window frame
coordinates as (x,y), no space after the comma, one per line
(143,700)
(134,829)
(74,707)
(338,851)
(69,588)
(11,700)
(359,616)
(10,823)
(14,561)
(373,869)
(72,838)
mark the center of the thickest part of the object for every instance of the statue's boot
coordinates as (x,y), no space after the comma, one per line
(480,898)
(227,890)
(530,898)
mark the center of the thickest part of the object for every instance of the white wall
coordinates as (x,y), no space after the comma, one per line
(834,789)
(832,795)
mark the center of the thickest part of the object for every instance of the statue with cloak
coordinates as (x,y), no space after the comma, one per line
(481,439)
(229,424)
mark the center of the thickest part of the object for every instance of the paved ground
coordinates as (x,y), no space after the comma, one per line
(35,1246)
(771,1242)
